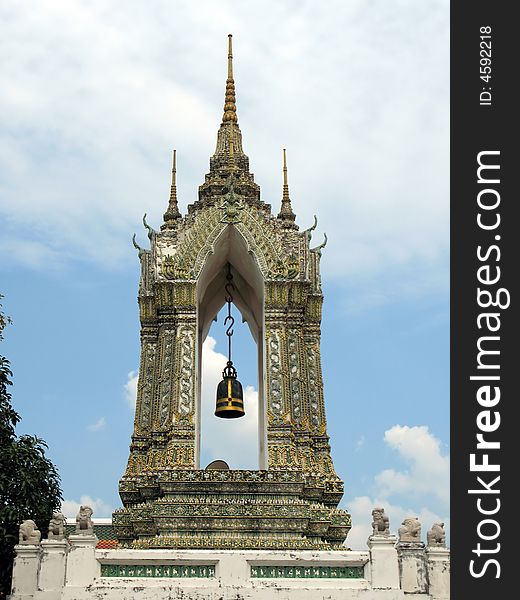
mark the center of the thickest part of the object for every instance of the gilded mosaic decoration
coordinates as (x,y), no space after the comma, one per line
(278,572)
(157,571)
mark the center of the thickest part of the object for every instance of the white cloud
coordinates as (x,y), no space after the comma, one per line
(233,440)
(31,253)
(425,484)
(360,443)
(98,425)
(107,115)
(130,388)
(429,469)
(99,507)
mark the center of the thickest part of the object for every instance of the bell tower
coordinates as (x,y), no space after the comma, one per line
(168,500)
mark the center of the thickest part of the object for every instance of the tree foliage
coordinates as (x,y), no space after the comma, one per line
(29,483)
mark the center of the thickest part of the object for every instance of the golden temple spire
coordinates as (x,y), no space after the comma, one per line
(229,155)
(285,184)
(286,212)
(173,191)
(173,209)
(230,107)
(230,57)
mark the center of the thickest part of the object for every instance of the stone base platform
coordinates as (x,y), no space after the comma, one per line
(231,509)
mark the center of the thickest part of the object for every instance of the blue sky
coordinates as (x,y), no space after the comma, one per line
(99,93)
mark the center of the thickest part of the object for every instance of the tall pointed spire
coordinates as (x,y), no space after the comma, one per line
(285,196)
(173,209)
(229,156)
(230,107)
(286,212)
(229,138)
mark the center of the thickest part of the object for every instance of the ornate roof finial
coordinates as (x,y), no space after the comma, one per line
(230,57)
(230,107)
(319,248)
(141,251)
(285,184)
(173,209)
(286,212)
(151,230)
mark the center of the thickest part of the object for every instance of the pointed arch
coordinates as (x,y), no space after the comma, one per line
(230,246)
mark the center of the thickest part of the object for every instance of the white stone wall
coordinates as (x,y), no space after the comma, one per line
(76,570)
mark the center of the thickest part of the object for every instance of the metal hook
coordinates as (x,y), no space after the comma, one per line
(228,287)
(229,330)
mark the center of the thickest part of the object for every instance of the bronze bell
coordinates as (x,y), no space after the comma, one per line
(230,397)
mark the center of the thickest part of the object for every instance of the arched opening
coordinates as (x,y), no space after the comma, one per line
(248,301)
(232,440)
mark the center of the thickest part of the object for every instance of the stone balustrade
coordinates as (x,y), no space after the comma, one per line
(74,569)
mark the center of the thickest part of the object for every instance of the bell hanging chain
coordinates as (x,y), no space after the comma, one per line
(229,287)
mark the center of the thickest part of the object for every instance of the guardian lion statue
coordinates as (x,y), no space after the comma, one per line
(28,533)
(380,523)
(84,523)
(410,530)
(436,536)
(57,526)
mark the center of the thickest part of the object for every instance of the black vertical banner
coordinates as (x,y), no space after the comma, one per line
(485,252)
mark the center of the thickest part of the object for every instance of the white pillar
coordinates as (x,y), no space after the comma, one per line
(51,578)
(233,570)
(384,567)
(412,567)
(438,562)
(82,566)
(25,571)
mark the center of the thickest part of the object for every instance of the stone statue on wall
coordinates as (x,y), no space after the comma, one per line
(410,530)
(380,522)
(57,526)
(84,523)
(436,536)
(28,533)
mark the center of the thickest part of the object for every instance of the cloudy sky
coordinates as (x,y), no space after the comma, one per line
(96,94)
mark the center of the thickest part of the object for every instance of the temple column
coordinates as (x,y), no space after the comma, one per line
(280,435)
